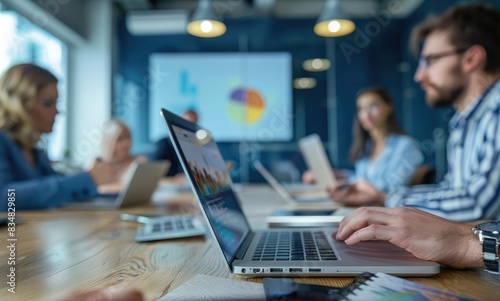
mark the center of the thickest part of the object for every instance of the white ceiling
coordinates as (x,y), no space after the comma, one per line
(276,8)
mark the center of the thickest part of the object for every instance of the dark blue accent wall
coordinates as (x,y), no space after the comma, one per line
(381,57)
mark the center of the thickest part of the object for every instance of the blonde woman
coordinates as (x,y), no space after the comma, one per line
(115,148)
(28,99)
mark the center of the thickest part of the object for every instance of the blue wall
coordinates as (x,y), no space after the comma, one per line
(376,60)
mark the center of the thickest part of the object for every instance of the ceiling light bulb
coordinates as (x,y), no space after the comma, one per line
(317,64)
(206,26)
(303,82)
(334,26)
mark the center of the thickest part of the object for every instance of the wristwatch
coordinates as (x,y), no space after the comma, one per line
(489,237)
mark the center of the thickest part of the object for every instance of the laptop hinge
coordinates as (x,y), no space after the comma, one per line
(240,253)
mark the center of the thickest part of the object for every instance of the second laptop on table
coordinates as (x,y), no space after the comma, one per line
(137,188)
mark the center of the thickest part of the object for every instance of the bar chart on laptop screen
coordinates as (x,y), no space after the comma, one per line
(209,175)
(239,97)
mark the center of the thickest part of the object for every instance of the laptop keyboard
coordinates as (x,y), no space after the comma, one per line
(295,245)
(173,225)
(169,227)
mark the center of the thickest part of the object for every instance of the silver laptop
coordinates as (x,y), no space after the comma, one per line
(300,200)
(139,184)
(309,209)
(276,252)
(314,154)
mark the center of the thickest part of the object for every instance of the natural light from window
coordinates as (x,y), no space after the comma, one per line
(24,42)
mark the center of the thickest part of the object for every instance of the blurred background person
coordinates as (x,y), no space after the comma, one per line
(381,153)
(115,148)
(165,151)
(28,99)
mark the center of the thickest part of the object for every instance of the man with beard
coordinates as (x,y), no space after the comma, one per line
(459,66)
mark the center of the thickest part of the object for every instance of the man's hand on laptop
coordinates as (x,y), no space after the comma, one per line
(425,235)
(359,193)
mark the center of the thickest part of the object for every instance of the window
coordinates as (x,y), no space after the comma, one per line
(24,42)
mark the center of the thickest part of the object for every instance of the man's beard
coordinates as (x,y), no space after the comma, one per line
(446,97)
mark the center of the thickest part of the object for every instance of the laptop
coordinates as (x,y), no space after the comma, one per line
(309,209)
(314,154)
(138,185)
(275,252)
(304,199)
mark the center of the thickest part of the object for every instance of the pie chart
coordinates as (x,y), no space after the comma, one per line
(245,105)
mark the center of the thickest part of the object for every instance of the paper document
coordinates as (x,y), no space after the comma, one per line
(202,287)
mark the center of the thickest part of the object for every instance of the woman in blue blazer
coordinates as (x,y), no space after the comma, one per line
(28,98)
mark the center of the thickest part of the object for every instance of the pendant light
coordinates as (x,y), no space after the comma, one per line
(205,22)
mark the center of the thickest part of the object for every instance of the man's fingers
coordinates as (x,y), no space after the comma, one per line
(361,218)
(374,231)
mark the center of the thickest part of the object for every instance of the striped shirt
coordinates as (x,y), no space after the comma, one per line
(471,187)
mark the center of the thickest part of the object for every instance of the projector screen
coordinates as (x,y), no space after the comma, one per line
(238,96)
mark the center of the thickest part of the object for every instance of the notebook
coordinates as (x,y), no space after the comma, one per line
(366,286)
(209,288)
(317,161)
(138,185)
(276,252)
(380,286)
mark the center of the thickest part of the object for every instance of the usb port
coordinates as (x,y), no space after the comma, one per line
(295,270)
(256,270)
(275,270)
(314,270)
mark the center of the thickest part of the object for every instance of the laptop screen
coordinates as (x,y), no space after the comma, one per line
(212,183)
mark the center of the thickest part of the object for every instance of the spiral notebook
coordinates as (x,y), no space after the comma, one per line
(380,286)
(366,286)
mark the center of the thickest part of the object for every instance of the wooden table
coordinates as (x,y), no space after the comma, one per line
(62,250)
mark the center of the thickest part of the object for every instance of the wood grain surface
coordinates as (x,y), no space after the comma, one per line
(78,250)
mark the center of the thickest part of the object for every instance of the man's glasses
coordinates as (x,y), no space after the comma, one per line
(427,60)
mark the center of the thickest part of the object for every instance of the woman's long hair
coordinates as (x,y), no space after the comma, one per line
(359,147)
(19,87)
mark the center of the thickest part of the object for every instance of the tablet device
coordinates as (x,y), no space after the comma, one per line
(315,156)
